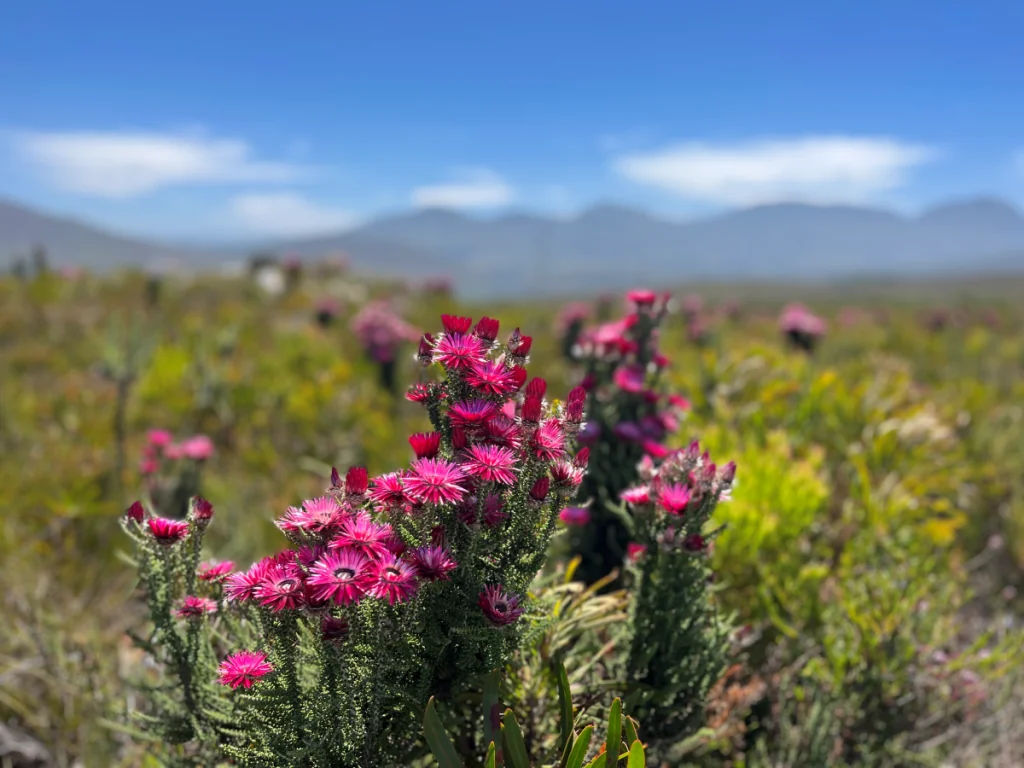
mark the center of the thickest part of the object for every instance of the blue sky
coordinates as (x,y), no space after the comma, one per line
(224,119)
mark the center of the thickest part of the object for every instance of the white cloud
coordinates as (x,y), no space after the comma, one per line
(813,169)
(287,214)
(478,188)
(126,164)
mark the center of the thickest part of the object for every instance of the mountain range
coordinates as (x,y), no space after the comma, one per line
(605,247)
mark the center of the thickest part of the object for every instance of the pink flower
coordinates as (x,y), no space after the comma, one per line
(574,516)
(159,437)
(193,607)
(136,512)
(320,516)
(339,576)
(655,449)
(566,474)
(211,571)
(638,495)
(425,444)
(434,562)
(435,481)
(392,579)
(281,589)
(245,585)
(459,352)
(491,463)
(419,393)
(244,668)
(472,413)
(642,297)
(364,535)
(388,490)
(674,498)
(502,431)
(548,441)
(635,551)
(167,532)
(198,448)
(148,466)
(492,378)
(630,378)
(174,451)
(499,607)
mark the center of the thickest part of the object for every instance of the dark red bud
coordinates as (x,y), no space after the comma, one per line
(582,458)
(135,512)
(532,410)
(335,478)
(456,324)
(487,329)
(202,509)
(536,388)
(356,481)
(540,489)
(518,377)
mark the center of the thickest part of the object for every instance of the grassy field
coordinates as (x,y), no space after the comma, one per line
(872,550)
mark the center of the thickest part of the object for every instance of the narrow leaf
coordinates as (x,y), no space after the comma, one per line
(614,733)
(631,729)
(492,756)
(492,710)
(579,749)
(637,758)
(516,755)
(437,738)
(565,704)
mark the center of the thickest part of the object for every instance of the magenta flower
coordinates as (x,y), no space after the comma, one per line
(388,490)
(159,437)
(356,480)
(281,589)
(472,413)
(198,448)
(244,585)
(487,329)
(695,543)
(642,297)
(433,562)
(167,532)
(211,571)
(639,495)
(435,481)
(566,474)
(459,352)
(193,607)
(136,512)
(202,510)
(503,431)
(244,668)
(549,441)
(630,378)
(420,393)
(674,498)
(499,607)
(491,463)
(634,551)
(362,534)
(574,516)
(491,377)
(339,576)
(425,444)
(392,579)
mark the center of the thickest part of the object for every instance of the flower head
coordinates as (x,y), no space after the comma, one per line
(549,441)
(159,437)
(433,562)
(470,414)
(193,607)
(574,516)
(435,481)
(244,668)
(425,444)
(392,579)
(244,585)
(167,532)
(674,498)
(339,576)
(388,490)
(333,630)
(459,352)
(281,589)
(630,378)
(211,571)
(362,534)
(490,377)
(356,480)
(639,495)
(136,512)
(197,448)
(499,607)
(491,463)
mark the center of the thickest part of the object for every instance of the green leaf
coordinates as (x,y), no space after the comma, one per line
(636,756)
(614,732)
(492,756)
(631,729)
(492,709)
(516,755)
(565,704)
(437,738)
(579,748)
(597,762)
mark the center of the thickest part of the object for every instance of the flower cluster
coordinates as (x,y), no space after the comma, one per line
(326,311)
(801,327)
(380,331)
(679,645)
(630,417)
(410,584)
(171,469)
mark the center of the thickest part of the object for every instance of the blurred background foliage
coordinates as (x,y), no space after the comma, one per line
(871,557)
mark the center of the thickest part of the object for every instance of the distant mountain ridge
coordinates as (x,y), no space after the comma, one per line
(605,246)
